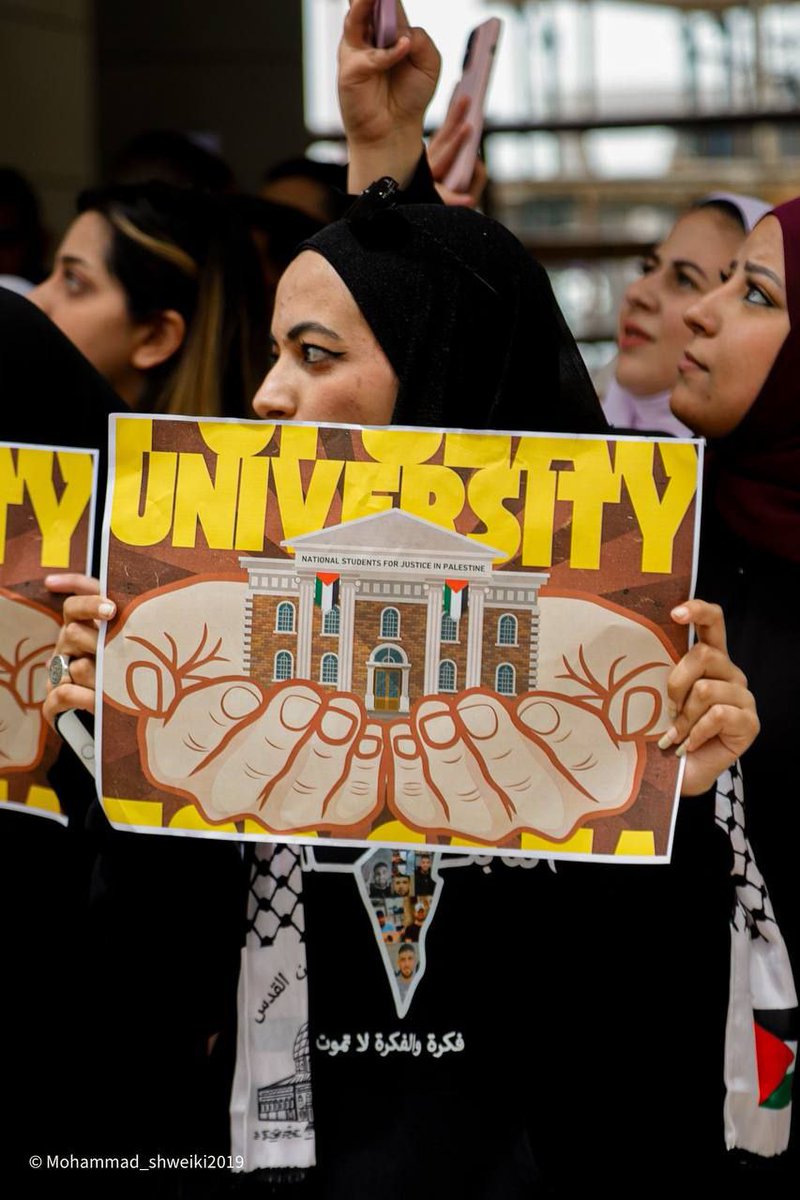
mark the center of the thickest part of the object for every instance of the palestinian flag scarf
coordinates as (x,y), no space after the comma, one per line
(761,1031)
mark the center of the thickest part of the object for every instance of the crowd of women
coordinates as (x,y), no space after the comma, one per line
(594,1021)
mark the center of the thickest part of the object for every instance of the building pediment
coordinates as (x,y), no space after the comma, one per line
(391,533)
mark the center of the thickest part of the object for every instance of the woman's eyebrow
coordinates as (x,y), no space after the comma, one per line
(302,327)
(73,260)
(680,264)
(756,269)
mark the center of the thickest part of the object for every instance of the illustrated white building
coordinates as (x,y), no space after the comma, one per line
(386,630)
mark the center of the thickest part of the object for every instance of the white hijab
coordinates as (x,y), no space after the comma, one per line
(623,409)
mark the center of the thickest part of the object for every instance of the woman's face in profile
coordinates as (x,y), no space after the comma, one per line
(738,330)
(89,305)
(651,333)
(327,364)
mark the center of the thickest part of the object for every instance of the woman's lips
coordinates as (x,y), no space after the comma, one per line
(689,364)
(632,336)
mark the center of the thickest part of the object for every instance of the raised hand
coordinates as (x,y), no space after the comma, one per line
(443,150)
(383,96)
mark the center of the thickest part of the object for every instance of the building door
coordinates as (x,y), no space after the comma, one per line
(387,680)
(388,689)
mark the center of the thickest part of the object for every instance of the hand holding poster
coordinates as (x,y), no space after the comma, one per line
(395,635)
(46,521)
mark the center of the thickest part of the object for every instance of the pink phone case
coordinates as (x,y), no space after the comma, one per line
(474,83)
(384,22)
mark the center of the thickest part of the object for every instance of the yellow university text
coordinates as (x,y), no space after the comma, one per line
(28,476)
(512,485)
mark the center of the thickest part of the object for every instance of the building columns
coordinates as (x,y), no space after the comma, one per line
(302,667)
(475,610)
(533,665)
(433,634)
(347,612)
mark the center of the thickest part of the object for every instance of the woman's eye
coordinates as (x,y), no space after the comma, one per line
(317,354)
(685,282)
(754,295)
(646,265)
(73,283)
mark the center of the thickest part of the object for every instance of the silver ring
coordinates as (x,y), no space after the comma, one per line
(58,670)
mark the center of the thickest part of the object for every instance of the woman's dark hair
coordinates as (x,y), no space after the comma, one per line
(331,179)
(24,232)
(187,251)
(172,157)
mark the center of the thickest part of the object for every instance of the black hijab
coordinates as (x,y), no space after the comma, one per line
(50,395)
(465,316)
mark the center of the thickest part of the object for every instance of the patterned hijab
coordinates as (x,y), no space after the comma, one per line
(757,467)
(466,317)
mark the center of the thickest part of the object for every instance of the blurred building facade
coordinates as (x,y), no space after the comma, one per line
(605,119)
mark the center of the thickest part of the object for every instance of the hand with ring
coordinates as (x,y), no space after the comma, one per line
(58,670)
(71,671)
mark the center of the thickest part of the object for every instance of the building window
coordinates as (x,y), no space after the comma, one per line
(388,654)
(390,623)
(505,683)
(284,665)
(331,620)
(284,618)
(447,675)
(449,628)
(329,669)
(507,630)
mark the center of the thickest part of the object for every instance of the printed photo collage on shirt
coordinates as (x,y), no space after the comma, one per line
(400,885)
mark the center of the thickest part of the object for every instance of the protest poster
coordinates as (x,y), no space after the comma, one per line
(46,525)
(393,635)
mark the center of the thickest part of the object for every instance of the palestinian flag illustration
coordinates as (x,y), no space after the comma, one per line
(326,591)
(776,1052)
(456,597)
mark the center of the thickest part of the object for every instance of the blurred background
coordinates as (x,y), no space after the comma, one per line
(604,119)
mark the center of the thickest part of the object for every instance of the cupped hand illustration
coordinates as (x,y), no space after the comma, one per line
(172,641)
(297,756)
(609,660)
(292,755)
(481,768)
(28,636)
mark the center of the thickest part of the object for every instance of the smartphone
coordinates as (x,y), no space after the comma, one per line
(474,82)
(73,727)
(384,23)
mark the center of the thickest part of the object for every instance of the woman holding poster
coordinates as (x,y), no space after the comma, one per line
(472,1073)
(512,956)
